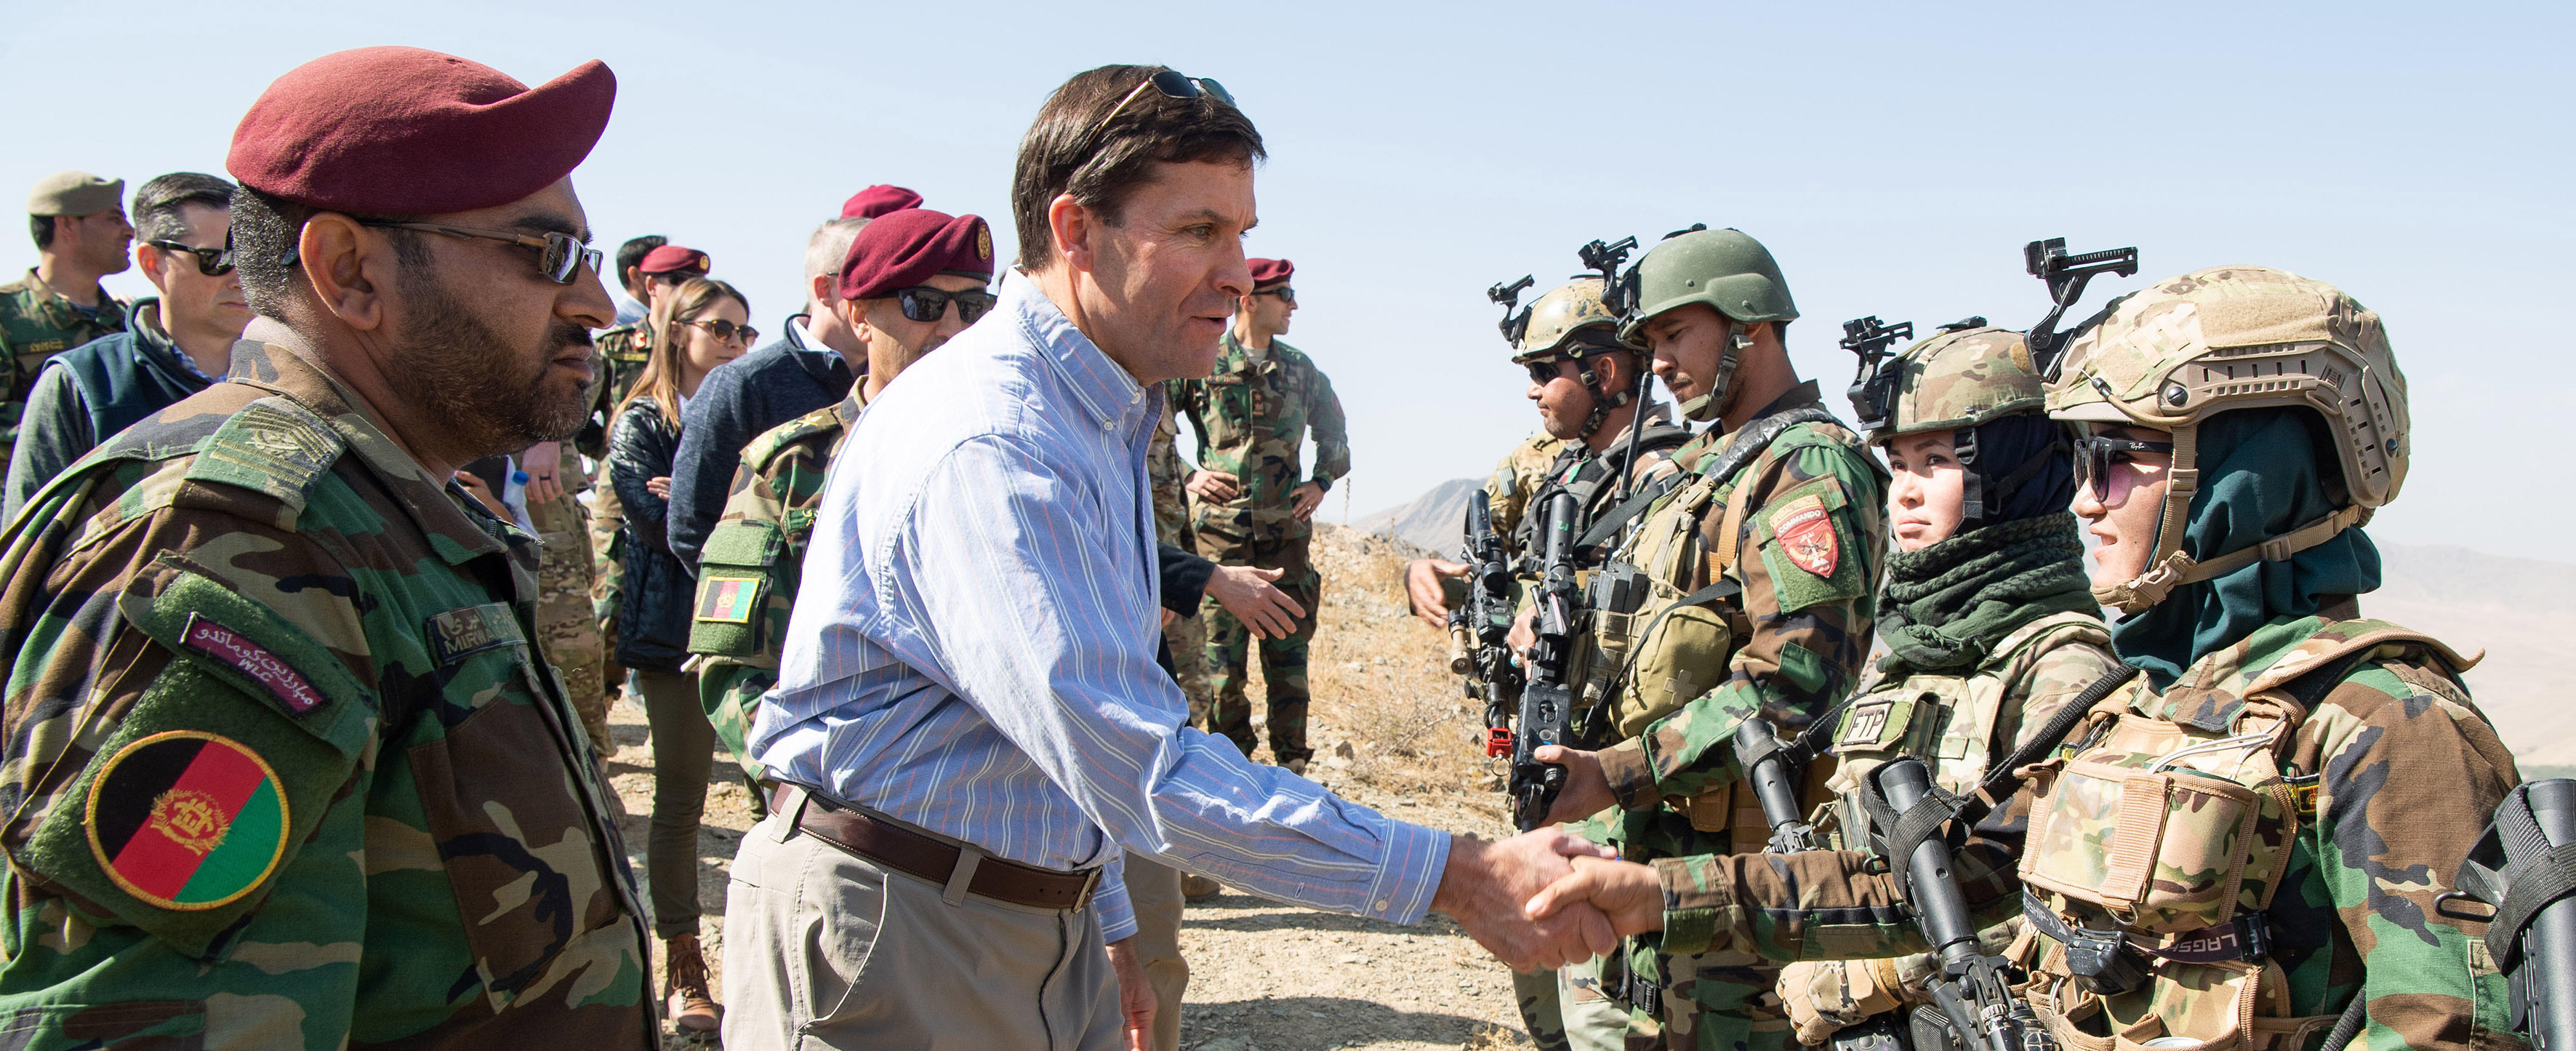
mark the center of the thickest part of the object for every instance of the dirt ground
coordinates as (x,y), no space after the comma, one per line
(1391,731)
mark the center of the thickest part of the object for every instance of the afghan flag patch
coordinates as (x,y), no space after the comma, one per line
(187,820)
(728,599)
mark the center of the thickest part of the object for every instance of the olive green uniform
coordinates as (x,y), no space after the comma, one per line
(37,323)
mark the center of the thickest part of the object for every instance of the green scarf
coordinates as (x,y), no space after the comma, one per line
(1947,604)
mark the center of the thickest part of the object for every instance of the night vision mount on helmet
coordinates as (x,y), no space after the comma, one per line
(1569,323)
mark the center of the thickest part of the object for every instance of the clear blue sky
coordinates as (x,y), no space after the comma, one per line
(1895,157)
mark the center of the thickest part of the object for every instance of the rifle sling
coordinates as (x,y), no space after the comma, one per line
(1749,443)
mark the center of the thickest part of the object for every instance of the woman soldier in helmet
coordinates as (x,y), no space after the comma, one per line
(1989,627)
(2245,842)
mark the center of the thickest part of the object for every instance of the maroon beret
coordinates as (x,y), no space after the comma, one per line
(673,258)
(1269,272)
(909,247)
(403,131)
(878,200)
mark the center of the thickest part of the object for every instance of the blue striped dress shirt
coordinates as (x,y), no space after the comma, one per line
(973,646)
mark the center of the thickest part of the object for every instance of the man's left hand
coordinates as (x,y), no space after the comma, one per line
(543,461)
(1247,592)
(1135,994)
(1587,789)
(1303,500)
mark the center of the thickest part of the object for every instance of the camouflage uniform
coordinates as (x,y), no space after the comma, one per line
(566,624)
(748,571)
(622,353)
(283,769)
(37,323)
(1516,479)
(1250,418)
(1185,637)
(1800,529)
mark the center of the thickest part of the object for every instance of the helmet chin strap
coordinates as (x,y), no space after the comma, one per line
(1712,405)
(2169,568)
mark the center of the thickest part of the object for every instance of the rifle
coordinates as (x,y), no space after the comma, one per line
(1547,700)
(1771,768)
(2525,869)
(1973,991)
(1873,389)
(1477,628)
(2066,275)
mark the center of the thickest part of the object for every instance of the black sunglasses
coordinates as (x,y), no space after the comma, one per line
(212,262)
(559,256)
(1174,85)
(1544,370)
(723,329)
(924,303)
(1285,293)
(2095,455)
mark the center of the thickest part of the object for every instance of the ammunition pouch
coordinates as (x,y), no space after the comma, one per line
(740,573)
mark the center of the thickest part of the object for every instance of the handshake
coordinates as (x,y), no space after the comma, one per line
(1546,899)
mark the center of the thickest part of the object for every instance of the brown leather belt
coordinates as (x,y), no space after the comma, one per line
(907,851)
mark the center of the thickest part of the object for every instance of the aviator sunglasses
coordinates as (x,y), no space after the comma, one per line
(1174,85)
(212,262)
(2095,455)
(724,330)
(924,303)
(559,256)
(1286,293)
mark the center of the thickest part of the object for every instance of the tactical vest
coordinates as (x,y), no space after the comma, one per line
(1947,720)
(2173,839)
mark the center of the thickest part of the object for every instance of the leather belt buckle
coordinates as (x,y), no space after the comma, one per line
(1090,883)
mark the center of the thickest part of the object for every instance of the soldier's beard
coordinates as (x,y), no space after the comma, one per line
(495,399)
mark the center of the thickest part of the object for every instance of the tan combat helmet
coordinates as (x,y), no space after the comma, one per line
(1571,321)
(2239,337)
(1960,378)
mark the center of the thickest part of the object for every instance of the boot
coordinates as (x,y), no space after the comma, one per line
(1196,888)
(684,986)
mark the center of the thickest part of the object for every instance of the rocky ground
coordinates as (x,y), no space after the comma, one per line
(1393,732)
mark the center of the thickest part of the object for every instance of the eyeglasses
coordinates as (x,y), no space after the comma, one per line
(212,262)
(559,256)
(923,303)
(2095,455)
(723,330)
(1174,85)
(1285,293)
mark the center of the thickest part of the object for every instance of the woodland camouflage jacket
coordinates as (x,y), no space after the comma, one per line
(1251,421)
(281,766)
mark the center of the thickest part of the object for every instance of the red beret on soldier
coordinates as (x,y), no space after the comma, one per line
(1270,273)
(911,246)
(404,131)
(673,259)
(878,200)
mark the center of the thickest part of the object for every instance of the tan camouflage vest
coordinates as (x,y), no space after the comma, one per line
(1947,720)
(2178,837)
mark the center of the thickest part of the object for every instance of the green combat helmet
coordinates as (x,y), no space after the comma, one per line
(2239,337)
(1968,373)
(1569,322)
(1727,270)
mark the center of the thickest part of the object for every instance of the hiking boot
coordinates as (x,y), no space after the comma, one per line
(1195,887)
(692,1004)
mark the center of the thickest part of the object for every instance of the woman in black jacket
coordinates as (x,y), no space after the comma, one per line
(695,328)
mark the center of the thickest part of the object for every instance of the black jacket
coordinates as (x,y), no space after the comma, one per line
(654,601)
(739,401)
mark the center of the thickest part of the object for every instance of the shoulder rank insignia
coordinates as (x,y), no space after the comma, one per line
(1806,535)
(187,820)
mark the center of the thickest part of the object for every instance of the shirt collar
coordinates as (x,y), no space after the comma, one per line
(1102,386)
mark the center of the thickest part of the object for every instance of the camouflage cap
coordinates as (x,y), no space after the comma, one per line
(75,193)
(1961,378)
(1726,269)
(2182,350)
(1555,317)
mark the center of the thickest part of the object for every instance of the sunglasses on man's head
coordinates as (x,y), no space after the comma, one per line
(1174,85)
(2095,455)
(1285,293)
(212,262)
(924,303)
(725,330)
(560,257)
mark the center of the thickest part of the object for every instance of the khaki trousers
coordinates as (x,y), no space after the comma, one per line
(1154,892)
(826,950)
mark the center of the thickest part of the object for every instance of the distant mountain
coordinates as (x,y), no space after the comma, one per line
(2521,612)
(1435,521)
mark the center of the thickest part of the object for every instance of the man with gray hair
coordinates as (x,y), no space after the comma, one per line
(174,343)
(809,366)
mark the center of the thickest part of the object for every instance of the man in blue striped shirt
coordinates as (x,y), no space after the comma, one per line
(968,720)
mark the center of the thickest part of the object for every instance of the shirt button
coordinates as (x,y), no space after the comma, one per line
(1383,904)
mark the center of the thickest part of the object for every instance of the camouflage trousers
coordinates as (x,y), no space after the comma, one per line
(1536,992)
(1187,638)
(566,628)
(607,524)
(1715,1001)
(1283,661)
(730,692)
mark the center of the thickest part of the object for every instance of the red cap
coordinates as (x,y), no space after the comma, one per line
(878,200)
(909,247)
(403,131)
(1269,272)
(673,258)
